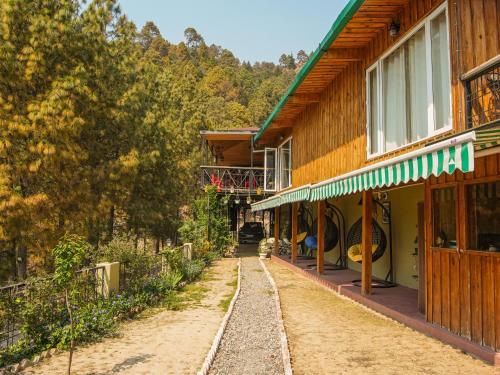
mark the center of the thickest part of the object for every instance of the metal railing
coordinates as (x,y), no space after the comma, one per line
(92,288)
(482,94)
(233,179)
(158,266)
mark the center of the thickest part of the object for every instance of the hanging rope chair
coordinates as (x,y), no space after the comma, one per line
(331,235)
(354,247)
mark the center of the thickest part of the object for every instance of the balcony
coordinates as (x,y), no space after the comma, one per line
(234,179)
(482,94)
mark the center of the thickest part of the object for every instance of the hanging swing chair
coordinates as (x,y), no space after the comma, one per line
(334,235)
(354,247)
(303,228)
(379,244)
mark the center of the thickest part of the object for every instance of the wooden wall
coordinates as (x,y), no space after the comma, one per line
(463,288)
(329,137)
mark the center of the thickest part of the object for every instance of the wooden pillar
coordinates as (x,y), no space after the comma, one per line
(320,256)
(366,269)
(295,213)
(277,216)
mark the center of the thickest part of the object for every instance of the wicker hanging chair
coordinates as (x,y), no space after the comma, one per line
(379,241)
(331,233)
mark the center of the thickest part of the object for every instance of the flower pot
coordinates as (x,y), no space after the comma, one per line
(263,255)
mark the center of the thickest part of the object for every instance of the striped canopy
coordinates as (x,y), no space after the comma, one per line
(487,138)
(266,204)
(296,195)
(415,165)
(443,157)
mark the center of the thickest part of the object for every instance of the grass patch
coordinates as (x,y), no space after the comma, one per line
(258,270)
(192,295)
(226,301)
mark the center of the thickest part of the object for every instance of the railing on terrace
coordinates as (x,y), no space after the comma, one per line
(233,179)
(482,94)
(92,279)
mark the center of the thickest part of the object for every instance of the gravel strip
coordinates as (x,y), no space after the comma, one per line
(251,342)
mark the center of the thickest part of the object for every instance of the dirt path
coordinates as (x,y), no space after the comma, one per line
(251,342)
(331,335)
(165,342)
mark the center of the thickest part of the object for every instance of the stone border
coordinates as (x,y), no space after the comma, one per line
(209,359)
(285,353)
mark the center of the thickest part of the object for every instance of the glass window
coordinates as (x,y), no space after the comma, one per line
(440,71)
(373,112)
(285,164)
(444,219)
(483,216)
(416,86)
(270,169)
(394,100)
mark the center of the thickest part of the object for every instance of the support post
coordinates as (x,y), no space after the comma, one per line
(366,242)
(320,256)
(277,215)
(295,212)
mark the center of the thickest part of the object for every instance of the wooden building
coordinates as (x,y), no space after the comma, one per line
(395,119)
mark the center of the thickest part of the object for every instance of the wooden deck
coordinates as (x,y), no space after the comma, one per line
(398,303)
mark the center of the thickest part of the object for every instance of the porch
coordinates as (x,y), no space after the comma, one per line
(399,303)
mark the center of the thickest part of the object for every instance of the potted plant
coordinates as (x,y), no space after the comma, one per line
(265,247)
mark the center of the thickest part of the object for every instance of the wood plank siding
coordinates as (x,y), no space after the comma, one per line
(327,114)
(463,287)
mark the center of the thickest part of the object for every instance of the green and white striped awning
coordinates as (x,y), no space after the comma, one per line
(296,195)
(443,157)
(487,138)
(266,204)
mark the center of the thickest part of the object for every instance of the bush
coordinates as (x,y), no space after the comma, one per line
(195,228)
(44,320)
(192,269)
(138,264)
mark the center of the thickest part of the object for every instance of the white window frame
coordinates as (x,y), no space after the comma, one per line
(280,147)
(276,169)
(378,65)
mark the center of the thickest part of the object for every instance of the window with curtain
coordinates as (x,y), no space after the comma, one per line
(270,169)
(285,164)
(414,85)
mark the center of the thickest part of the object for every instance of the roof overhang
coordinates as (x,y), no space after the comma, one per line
(357,25)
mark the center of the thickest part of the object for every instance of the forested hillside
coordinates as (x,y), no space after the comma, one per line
(99,122)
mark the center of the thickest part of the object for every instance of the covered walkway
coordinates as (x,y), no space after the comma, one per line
(332,335)
(399,303)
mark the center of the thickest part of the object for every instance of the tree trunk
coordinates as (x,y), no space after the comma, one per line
(111,223)
(72,342)
(157,246)
(21,262)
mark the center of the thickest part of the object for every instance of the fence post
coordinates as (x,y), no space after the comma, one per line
(110,276)
(187,250)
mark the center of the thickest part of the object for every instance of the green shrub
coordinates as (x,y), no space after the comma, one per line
(138,264)
(192,269)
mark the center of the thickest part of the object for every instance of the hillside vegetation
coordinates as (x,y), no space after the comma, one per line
(99,123)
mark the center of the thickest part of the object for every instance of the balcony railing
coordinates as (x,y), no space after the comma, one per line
(482,86)
(233,179)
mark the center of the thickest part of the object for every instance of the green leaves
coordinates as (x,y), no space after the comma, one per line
(68,258)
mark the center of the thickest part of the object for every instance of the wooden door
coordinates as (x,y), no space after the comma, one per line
(463,277)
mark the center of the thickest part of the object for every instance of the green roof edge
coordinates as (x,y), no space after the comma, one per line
(344,17)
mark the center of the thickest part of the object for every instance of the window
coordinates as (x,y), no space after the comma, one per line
(408,89)
(483,220)
(444,218)
(270,169)
(285,164)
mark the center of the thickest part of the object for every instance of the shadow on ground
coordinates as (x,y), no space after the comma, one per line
(247,250)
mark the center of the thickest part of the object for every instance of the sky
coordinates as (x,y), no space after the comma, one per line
(254,30)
